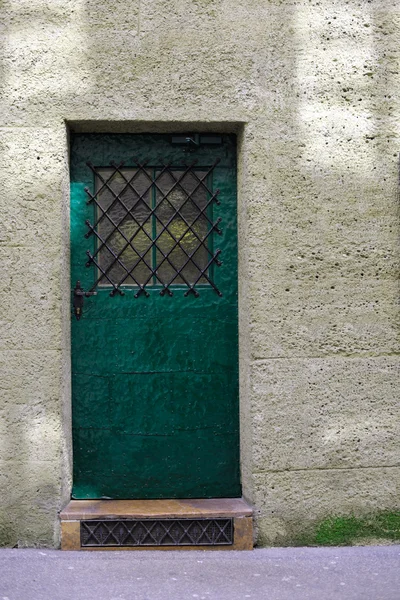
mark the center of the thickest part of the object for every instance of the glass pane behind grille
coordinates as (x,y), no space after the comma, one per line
(181,227)
(125,224)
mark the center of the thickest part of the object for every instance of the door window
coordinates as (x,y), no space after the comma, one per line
(154,226)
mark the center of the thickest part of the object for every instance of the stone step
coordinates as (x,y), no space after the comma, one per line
(210,524)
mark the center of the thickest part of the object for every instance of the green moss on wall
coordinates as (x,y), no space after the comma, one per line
(351,530)
(8,537)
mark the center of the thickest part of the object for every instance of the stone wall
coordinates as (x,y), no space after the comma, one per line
(312,89)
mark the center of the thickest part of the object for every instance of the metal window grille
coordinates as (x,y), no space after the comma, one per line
(155,227)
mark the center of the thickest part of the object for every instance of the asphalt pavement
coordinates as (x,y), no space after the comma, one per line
(351,573)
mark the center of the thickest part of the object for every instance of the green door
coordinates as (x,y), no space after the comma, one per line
(155,341)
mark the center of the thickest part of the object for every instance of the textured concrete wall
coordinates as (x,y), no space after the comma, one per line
(316,86)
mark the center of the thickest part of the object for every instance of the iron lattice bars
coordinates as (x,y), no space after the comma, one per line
(157,532)
(194,264)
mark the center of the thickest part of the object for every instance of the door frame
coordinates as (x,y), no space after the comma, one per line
(245,425)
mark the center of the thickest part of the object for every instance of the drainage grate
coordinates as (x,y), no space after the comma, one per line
(160,532)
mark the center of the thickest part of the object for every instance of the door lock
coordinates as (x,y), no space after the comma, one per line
(79,295)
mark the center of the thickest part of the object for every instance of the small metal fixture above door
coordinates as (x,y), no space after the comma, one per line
(193,141)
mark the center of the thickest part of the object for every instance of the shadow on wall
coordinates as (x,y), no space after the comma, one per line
(332,285)
(350,161)
(34,460)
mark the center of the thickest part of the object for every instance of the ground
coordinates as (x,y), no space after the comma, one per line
(346,573)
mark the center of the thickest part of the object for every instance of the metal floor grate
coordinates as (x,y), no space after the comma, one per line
(157,532)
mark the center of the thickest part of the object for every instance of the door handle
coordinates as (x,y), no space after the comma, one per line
(79,295)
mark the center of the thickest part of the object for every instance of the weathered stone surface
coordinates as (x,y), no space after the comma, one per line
(234,508)
(326,317)
(312,88)
(156,509)
(322,413)
(30,319)
(314,495)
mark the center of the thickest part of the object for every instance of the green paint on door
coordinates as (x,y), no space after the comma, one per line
(155,378)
